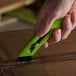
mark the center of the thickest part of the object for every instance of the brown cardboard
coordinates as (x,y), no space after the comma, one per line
(12,42)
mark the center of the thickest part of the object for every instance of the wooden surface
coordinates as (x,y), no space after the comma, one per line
(12,42)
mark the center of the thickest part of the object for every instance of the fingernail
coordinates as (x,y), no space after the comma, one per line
(58,32)
(46,45)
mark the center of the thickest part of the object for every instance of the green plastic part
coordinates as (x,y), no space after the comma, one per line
(24,14)
(35,43)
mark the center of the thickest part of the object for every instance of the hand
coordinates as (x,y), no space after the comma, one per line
(52,10)
(67,28)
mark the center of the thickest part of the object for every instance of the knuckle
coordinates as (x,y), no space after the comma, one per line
(68,27)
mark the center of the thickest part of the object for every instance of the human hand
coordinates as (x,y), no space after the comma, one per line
(52,10)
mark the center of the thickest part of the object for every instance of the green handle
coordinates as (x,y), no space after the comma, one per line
(36,42)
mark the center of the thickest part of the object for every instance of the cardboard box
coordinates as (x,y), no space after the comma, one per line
(12,42)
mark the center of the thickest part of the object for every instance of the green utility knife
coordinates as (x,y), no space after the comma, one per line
(36,42)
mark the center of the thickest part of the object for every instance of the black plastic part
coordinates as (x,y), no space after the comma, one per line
(22,59)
